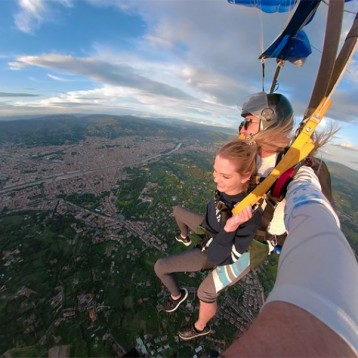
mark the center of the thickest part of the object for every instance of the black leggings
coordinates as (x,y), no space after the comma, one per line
(192,260)
(187,220)
(195,260)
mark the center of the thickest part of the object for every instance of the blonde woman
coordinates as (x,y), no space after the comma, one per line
(226,251)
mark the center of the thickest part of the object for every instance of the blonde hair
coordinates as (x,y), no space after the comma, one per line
(243,155)
(322,138)
(275,138)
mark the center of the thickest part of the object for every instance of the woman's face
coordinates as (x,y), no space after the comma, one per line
(227,179)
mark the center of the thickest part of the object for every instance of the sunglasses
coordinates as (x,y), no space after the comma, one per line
(245,123)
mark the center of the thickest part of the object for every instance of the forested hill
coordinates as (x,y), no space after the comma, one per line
(70,129)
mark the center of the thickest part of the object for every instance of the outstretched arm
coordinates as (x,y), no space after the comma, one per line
(312,310)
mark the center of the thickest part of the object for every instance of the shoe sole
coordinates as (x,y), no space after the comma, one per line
(201,334)
(184,243)
(180,302)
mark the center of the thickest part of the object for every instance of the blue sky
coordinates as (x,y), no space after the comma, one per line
(189,59)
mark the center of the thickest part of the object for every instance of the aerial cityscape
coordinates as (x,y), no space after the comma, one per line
(84,217)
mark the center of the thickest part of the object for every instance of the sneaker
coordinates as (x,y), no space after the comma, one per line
(171,305)
(186,240)
(191,332)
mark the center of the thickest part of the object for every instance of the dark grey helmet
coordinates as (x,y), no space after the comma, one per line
(273,109)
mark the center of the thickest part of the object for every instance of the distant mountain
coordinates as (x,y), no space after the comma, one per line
(343,171)
(69,129)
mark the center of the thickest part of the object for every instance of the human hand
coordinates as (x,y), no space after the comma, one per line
(235,221)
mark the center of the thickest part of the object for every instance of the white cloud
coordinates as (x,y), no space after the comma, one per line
(347,146)
(29,15)
(32,13)
(57,78)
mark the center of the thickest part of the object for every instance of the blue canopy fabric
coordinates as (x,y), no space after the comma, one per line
(268,6)
(293,44)
(294,50)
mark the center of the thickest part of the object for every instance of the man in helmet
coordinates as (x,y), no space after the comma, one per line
(268,120)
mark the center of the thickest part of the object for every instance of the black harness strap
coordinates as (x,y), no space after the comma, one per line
(263,74)
(267,215)
(223,212)
(280,64)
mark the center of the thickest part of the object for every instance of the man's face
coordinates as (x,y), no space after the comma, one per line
(251,126)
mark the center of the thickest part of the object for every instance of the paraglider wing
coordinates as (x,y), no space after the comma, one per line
(293,49)
(268,6)
(292,44)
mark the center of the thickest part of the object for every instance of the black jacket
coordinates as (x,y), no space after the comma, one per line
(219,251)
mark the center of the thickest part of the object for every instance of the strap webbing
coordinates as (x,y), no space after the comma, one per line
(263,74)
(280,64)
(331,41)
(345,55)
